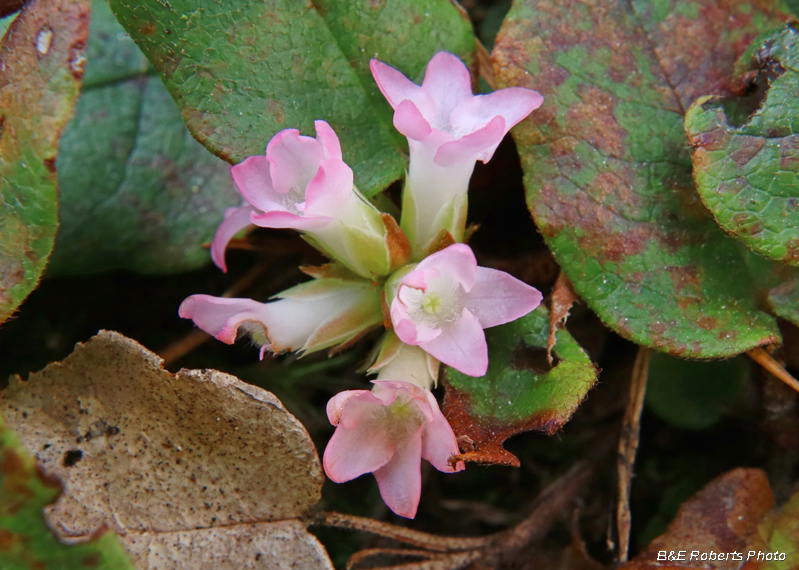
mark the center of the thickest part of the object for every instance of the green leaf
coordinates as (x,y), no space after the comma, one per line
(608,170)
(41,65)
(26,543)
(779,533)
(137,191)
(240,72)
(695,395)
(777,284)
(520,392)
(748,175)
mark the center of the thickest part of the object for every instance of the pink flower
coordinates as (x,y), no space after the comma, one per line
(302,183)
(387,431)
(448,130)
(320,314)
(445,302)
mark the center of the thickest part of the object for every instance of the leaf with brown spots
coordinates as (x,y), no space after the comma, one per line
(25,541)
(185,468)
(41,66)
(722,518)
(748,174)
(607,165)
(136,191)
(241,71)
(520,392)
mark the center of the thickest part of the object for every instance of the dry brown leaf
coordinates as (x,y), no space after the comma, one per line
(563,297)
(721,518)
(194,470)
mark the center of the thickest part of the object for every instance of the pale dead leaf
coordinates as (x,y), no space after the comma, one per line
(189,469)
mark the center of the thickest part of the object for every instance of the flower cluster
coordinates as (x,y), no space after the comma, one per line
(415,279)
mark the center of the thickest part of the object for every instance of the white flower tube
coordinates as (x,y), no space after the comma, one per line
(448,130)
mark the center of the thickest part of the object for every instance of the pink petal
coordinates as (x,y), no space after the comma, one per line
(287,220)
(219,316)
(327,136)
(294,160)
(462,346)
(236,219)
(335,406)
(512,104)
(456,262)
(329,190)
(394,86)
(400,480)
(479,145)
(352,452)
(254,181)
(448,82)
(498,298)
(409,121)
(438,440)
(408,331)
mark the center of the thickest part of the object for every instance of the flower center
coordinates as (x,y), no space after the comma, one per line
(432,303)
(294,201)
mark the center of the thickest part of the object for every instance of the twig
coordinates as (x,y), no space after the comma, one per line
(765,360)
(415,538)
(362,555)
(628,445)
(197,337)
(492,550)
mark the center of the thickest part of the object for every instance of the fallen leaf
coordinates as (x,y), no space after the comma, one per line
(41,66)
(722,518)
(191,470)
(25,541)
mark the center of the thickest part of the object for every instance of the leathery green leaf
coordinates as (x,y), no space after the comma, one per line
(748,175)
(607,165)
(241,71)
(137,191)
(27,542)
(41,66)
(520,392)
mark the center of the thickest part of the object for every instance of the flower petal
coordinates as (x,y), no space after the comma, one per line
(462,345)
(498,298)
(236,219)
(400,480)
(327,136)
(221,317)
(289,221)
(438,440)
(479,145)
(335,406)
(456,262)
(352,452)
(512,104)
(409,121)
(294,160)
(254,181)
(394,86)
(448,83)
(330,191)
